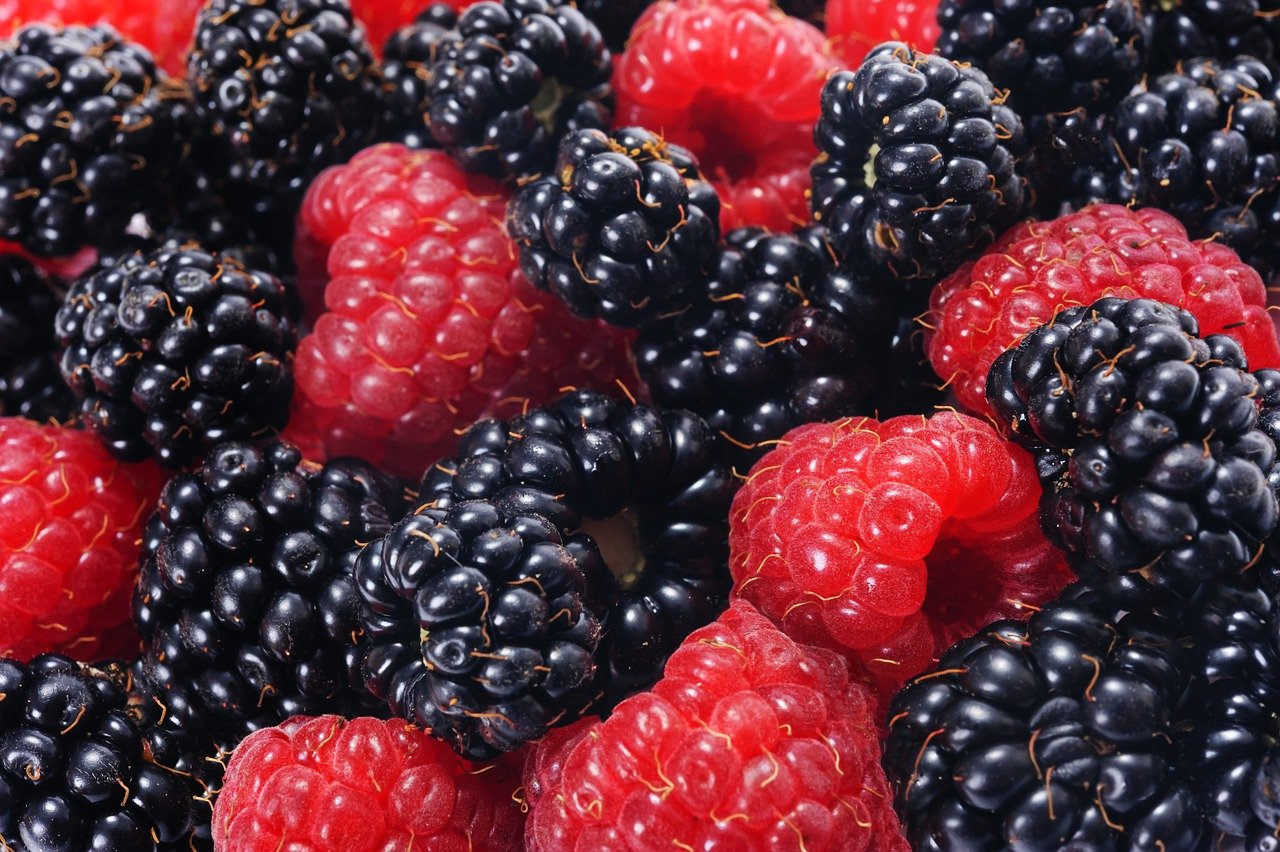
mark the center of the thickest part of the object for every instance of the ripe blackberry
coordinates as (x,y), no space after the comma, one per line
(75,770)
(776,338)
(1057,733)
(406,58)
(559,559)
(89,134)
(1147,441)
(624,227)
(916,162)
(30,384)
(1186,29)
(175,350)
(244,599)
(1202,143)
(511,79)
(614,18)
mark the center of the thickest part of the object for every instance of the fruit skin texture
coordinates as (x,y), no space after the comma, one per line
(737,82)
(363,785)
(1155,467)
(889,541)
(166,35)
(855,26)
(30,384)
(406,56)
(1205,28)
(381,18)
(1078,707)
(70,518)
(916,162)
(988,305)
(744,722)
(615,18)
(428,323)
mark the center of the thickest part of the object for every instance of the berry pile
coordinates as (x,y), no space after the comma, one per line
(819,425)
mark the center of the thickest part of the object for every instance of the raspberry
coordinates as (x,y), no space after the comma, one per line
(889,541)
(70,518)
(748,742)
(1038,268)
(737,83)
(430,325)
(856,26)
(362,785)
(167,35)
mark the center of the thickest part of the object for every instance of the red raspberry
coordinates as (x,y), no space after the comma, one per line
(429,323)
(737,82)
(748,742)
(890,541)
(361,785)
(70,521)
(166,32)
(856,26)
(1038,268)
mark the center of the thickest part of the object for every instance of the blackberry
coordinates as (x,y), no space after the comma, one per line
(916,162)
(1147,440)
(813,11)
(1218,29)
(557,562)
(244,598)
(511,79)
(624,228)
(406,58)
(1202,143)
(615,18)
(1053,734)
(76,772)
(30,384)
(175,350)
(90,131)
(776,338)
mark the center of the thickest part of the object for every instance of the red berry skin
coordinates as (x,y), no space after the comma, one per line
(737,82)
(426,322)
(749,742)
(890,541)
(1038,268)
(856,26)
(71,518)
(166,31)
(361,785)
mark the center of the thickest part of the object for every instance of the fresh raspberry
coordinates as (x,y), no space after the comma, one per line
(165,32)
(361,785)
(737,82)
(70,521)
(429,323)
(1039,268)
(890,541)
(748,742)
(856,26)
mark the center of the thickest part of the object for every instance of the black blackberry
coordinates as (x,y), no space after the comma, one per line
(1203,143)
(1049,735)
(511,79)
(76,772)
(175,350)
(244,599)
(1147,441)
(30,384)
(406,58)
(625,228)
(813,11)
(89,133)
(916,162)
(1218,29)
(495,614)
(615,18)
(776,338)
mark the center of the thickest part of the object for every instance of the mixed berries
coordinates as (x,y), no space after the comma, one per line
(566,425)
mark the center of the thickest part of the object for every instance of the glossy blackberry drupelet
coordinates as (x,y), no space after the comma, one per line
(511,79)
(175,350)
(1202,143)
(1057,733)
(776,338)
(76,772)
(406,58)
(916,162)
(644,484)
(615,18)
(244,598)
(625,228)
(1148,442)
(30,384)
(89,134)
(1182,30)
(1053,57)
